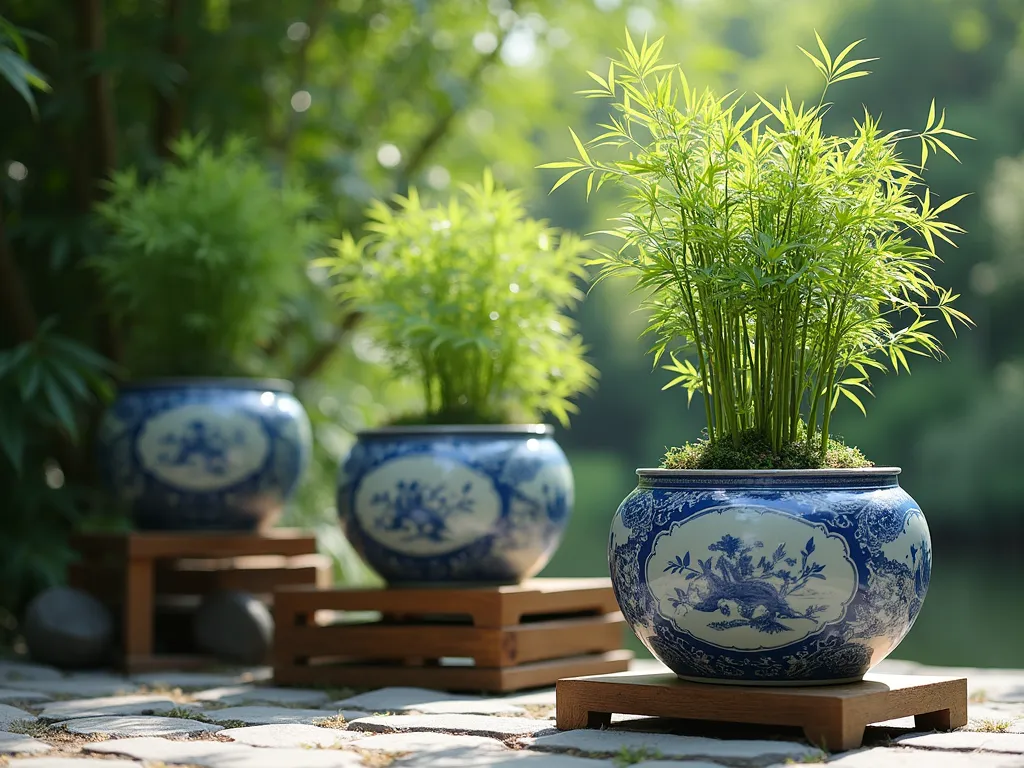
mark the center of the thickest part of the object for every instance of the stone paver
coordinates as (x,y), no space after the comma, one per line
(143,704)
(476,758)
(424,741)
(20,744)
(198,680)
(9,714)
(291,735)
(429,702)
(219,754)
(250,694)
(679,764)
(613,742)
(967,741)
(882,757)
(78,687)
(71,762)
(26,696)
(122,726)
(476,725)
(23,670)
(273,715)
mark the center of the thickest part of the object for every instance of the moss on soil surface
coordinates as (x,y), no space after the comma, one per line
(755,452)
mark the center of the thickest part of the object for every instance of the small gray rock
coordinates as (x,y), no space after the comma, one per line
(68,628)
(234,626)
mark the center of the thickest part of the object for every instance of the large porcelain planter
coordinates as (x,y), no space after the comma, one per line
(772,577)
(204,454)
(443,505)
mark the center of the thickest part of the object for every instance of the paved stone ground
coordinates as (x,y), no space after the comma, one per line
(49,719)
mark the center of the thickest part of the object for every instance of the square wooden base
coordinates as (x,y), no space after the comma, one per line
(832,716)
(499,638)
(146,576)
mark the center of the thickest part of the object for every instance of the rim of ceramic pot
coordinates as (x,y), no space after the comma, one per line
(766,473)
(458,429)
(210,382)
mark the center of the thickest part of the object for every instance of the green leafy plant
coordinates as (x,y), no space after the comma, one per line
(788,262)
(201,261)
(470,299)
(15,67)
(46,385)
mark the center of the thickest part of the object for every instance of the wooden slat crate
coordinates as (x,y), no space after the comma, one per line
(471,639)
(150,578)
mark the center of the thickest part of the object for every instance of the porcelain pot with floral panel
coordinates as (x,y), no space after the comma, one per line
(204,454)
(773,577)
(460,504)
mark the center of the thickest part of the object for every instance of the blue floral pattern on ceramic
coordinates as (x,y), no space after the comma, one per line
(217,454)
(455,504)
(798,577)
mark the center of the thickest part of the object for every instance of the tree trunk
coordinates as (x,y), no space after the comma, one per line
(169,117)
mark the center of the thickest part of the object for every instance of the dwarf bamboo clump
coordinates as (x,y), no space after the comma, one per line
(781,265)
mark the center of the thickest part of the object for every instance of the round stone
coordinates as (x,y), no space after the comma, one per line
(235,627)
(68,628)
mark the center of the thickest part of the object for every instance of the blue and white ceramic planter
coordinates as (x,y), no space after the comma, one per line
(204,454)
(770,577)
(443,505)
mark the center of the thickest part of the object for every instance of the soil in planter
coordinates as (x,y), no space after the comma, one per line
(755,452)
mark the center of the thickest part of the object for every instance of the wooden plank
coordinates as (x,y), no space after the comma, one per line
(201,578)
(138,613)
(454,678)
(566,637)
(832,716)
(279,541)
(488,607)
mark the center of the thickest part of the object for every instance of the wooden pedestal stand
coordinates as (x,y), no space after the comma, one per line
(136,574)
(832,716)
(492,639)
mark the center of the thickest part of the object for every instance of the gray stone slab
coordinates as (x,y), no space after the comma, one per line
(678,764)
(611,743)
(882,757)
(251,694)
(533,698)
(428,703)
(475,725)
(509,758)
(200,680)
(24,671)
(78,686)
(123,726)
(9,714)
(418,742)
(291,735)
(20,744)
(257,715)
(71,762)
(220,754)
(18,694)
(143,704)
(393,699)
(966,741)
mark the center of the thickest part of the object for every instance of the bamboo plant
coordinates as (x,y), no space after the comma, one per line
(781,264)
(470,298)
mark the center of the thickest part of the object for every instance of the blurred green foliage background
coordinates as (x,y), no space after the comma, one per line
(361,98)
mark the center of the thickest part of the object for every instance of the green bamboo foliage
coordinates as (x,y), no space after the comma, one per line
(470,299)
(789,263)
